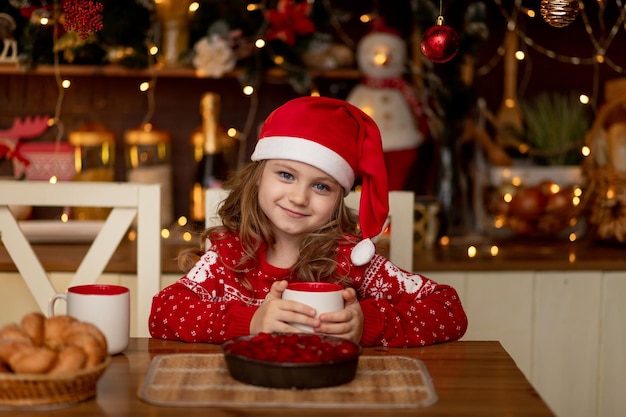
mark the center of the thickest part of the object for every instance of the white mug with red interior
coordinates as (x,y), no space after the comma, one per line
(324,297)
(103,305)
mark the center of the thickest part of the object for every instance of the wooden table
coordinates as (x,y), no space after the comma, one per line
(473,378)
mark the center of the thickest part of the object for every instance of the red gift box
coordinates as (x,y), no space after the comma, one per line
(46,159)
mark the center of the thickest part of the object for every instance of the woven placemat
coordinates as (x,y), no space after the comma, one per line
(195,380)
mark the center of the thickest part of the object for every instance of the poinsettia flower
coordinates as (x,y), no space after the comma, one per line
(213,57)
(289,20)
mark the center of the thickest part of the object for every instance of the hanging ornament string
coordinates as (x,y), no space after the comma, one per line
(84,17)
(511,25)
(60,90)
(334,21)
(603,48)
(150,97)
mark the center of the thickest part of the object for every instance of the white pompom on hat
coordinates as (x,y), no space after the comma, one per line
(341,140)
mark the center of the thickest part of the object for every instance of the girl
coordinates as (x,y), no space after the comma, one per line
(284,220)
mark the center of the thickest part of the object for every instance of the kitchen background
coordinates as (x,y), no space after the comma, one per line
(310,48)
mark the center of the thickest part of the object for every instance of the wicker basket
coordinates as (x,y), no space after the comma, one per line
(606,206)
(42,391)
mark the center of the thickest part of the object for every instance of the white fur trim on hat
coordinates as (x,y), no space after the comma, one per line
(309,152)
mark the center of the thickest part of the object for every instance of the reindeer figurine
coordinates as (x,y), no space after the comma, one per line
(27,129)
(7,27)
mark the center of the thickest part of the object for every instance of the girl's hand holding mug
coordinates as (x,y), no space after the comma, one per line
(311,307)
(346,323)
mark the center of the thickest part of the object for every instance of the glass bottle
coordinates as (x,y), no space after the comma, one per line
(212,167)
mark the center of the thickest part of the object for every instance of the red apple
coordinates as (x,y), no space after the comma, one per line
(560,202)
(528,203)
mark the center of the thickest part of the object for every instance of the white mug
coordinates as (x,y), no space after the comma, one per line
(324,297)
(105,306)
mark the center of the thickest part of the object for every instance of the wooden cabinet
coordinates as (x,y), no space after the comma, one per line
(564,329)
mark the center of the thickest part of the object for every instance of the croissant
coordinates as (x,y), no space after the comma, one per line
(56,345)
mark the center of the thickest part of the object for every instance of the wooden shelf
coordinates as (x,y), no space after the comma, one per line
(174,72)
(513,256)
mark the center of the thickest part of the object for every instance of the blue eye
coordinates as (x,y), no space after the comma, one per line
(321,187)
(285,175)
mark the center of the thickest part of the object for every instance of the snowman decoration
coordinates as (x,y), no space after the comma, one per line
(387,98)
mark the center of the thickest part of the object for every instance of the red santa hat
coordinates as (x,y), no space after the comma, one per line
(341,140)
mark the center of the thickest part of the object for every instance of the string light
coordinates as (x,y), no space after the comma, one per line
(586,151)
(595,59)
(600,48)
(252,7)
(62,85)
(366,18)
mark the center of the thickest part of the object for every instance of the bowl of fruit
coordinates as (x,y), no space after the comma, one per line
(291,360)
(537,202)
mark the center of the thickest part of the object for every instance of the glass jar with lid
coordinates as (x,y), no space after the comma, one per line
(95,152)
(147,154)
(94,160)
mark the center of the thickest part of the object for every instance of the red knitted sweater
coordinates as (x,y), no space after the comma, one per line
(210,304)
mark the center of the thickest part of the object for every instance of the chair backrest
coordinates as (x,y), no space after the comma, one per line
(401,214)
(128,201)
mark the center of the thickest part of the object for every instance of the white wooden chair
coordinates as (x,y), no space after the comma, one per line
(401,212)
(128,201)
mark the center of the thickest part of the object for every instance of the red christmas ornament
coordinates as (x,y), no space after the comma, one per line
(83,16)
(440,42)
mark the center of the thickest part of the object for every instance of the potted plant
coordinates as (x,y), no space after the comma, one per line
(556,126)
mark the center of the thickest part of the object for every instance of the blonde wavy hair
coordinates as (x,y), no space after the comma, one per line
(240,212)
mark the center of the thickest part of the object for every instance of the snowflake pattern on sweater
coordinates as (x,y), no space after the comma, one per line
(210,304)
